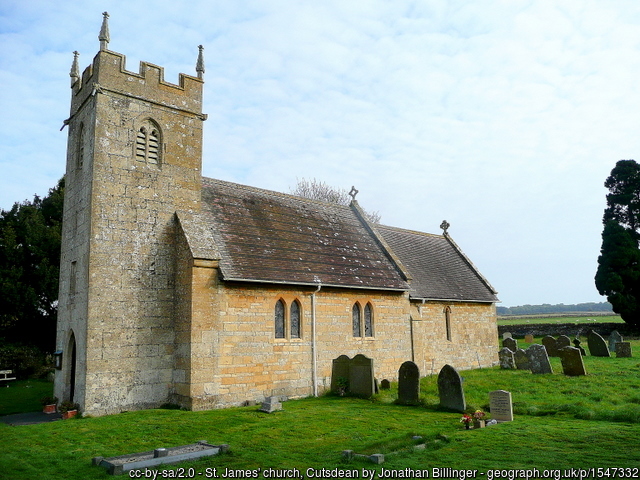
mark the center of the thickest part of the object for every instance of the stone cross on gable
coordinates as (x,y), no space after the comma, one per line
(445,226)
(353,192)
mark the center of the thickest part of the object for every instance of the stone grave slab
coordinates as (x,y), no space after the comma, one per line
(505,357)
(501,406)
(614,338)
(510,343)
(538,359)
(271,404)
(408,384)
(623,349)
(450,389)
(550,344)
(576,343)
(339,369)
(572,363)
(528,338)
(506,335)
(361,380)
(522,360)
(385,384)
(597,346)
(563,341)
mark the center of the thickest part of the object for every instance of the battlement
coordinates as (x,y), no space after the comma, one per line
(108,73)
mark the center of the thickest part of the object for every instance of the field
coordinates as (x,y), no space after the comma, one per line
(583,319)
(560,423)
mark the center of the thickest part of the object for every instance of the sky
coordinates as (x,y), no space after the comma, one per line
(502,117)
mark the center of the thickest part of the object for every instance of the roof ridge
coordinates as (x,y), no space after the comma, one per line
(406,230)
(274,193)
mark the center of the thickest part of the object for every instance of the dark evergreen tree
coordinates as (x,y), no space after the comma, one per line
(618,274)
(30,236)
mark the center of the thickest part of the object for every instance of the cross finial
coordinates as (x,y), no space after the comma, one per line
(200,62)
(353,193)
(75,70)
(444,226)
(104,31)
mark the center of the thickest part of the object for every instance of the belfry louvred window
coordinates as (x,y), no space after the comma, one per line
(148,143)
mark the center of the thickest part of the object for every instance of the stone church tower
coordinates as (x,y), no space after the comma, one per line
(133,158)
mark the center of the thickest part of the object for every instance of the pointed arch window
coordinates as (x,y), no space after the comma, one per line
(355,319)
(148,143)
(80,147)
(447,322)
(288,319)
(368,321)
(279,319)
(294,319)
(362,320)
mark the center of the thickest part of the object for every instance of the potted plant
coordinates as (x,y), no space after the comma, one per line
(68,409)
(479,419)
(49,404)
(466,420)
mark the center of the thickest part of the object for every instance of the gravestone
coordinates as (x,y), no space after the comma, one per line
(597,346)
(623,349)
(528,338)
(572,363)
(576,343)
(385,384)
(510,343)
(271,404)
(500,406)
(550,344)
(506,335)
(505,357)
(361,380)
(450,389)
(408,384)
(522,359)
(563,341)
(538,359)
(614,338)
(339,369)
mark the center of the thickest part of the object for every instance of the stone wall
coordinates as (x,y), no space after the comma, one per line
(569,329)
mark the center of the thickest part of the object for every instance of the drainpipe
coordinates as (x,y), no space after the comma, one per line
(314,361)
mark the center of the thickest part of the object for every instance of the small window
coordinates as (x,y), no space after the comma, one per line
(279,319)
(148,143)
(368,321)
(447,322)
(294,319)
(355,318)
(80,147)
(73,279)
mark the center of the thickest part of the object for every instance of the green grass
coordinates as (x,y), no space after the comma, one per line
(23,396)
(560,422)
(536,319)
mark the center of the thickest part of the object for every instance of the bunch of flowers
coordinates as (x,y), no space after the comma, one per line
(479,415)
(466,419)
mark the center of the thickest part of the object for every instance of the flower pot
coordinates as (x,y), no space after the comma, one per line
(478,423)
(467,426)
(49,408)
(69,414)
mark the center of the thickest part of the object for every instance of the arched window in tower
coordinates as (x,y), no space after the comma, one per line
(368,320)
(80,147)
(355,318)
(294,318)
(148,143)
(279,319)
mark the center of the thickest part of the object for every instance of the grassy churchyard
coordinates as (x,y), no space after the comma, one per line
(560,423)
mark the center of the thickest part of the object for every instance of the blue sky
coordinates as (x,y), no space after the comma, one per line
(502,117)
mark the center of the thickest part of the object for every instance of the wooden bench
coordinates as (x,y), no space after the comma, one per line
(5,376)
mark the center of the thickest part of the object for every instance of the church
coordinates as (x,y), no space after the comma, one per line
(181,289)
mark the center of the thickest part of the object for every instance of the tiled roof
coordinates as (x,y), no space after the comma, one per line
(438,268)
(266,236)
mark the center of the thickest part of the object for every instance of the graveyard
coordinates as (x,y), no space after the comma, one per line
(559,422)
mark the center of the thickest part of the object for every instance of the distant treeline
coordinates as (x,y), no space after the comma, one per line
(602,307)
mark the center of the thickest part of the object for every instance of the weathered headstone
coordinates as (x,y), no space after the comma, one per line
(271,404)
(506,335)
(597,346)
(572,363)
(522,359)
(339,371)
(408,384)
(361,380)
(505,357)
(623,349)
(500,406)
(576,343)
(538,359)
(528,338)
(550,344)
(510,343)
(385,384)
(450,389)
(563,341)
(614,338)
